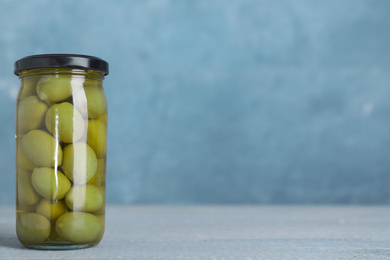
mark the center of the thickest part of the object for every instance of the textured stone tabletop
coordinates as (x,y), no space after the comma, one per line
(226,232)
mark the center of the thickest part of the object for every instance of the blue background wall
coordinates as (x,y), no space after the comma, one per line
(223,101)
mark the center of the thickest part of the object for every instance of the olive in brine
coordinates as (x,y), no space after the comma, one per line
(63,120)
(50,183)
(53,89)
(96,100)
(26,194)
(42,149)
(79,163)
(51,210)
(32,228)
(87,198)
(99,176)
(79,227)
(30,115)
(22,161)
(28,87)
(96,138)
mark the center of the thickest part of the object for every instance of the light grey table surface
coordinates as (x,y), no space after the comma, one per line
(226,232)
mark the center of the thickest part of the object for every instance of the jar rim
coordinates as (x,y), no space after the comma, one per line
(76,61)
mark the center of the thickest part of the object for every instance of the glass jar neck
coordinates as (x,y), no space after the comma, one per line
(63,71)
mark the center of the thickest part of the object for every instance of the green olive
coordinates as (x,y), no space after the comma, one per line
(86,198)
(51,210)
(97,137)
(100,174)
(79,163)
(42,149)
(53,89)
(64,121)
(25,192)
(79,227)
(96,101)
(80,102)
(102,222)
(102,209)
(32,228)
(30,114)
(21,159)
(50,183)
(28,87)
(83,138)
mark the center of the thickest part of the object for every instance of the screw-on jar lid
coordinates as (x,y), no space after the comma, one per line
(71,61)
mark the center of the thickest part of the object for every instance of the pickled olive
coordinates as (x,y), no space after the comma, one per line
(98,178)
(50,183)
(32,228)
(102,222)
(30,115)
(87,198)
(96,138)
(101,210)
(83,138)
(53,89)
(78,227)
(96,101)
(79,163)
(80,102)
(28,87)
(42,149)
(21,159)
(25,192)
(65,121)
(51,210)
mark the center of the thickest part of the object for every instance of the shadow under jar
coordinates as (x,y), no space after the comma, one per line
(61,144)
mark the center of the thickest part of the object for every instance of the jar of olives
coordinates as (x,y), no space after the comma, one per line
(61,133)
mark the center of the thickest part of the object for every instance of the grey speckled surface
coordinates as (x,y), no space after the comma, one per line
(220,232)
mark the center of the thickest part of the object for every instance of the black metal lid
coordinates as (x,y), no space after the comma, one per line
(71,61)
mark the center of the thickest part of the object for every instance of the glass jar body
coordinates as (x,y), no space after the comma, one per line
(61,133)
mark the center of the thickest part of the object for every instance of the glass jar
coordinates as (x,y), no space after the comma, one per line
(61,133)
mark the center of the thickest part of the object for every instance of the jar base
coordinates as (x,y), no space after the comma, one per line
(59,246)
